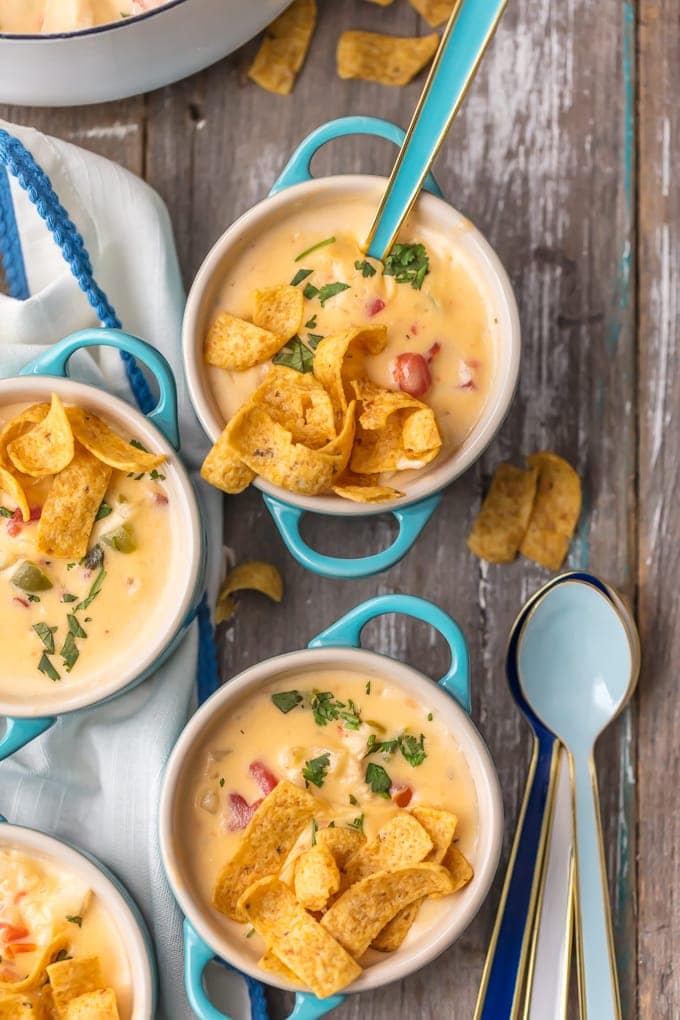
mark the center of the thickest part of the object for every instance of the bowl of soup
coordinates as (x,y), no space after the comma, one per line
(331,819)
(71,938)
(417,357)
(101,545)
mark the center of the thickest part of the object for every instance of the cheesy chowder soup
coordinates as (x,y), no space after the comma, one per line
(371,766)
(85,571)
(58,944)
(439,320)
(34,17)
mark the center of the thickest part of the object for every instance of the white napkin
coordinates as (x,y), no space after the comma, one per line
(94,778)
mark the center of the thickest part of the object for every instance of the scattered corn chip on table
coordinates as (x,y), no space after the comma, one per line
(538,160)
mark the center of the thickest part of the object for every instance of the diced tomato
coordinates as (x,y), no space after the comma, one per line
(15,948)
(160,499)
(19,601)
(374,306)
(36,512)
(20,895)
(433,351)
(265,779)
(16,521)
(12,932)
(240,812)
(414,328)
(401,794)
(411,374)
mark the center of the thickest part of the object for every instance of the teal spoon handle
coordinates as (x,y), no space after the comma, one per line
(598,983)
(464,41)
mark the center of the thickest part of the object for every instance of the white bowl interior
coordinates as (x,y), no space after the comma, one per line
(437,216)
(184,570)
(226,937)
(134,940)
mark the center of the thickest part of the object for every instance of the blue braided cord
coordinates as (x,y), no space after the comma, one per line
(35,182)
(10,243)
(258,1002)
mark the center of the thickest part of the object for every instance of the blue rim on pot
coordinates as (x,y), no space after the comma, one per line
(338,646)
(412,512)
(114,898)
(160,432)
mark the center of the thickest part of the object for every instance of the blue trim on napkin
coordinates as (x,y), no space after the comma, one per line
(17,160)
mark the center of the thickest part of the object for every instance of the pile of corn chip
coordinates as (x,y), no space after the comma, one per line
(74,988)
(79,452)
(330,430)
(371,56)
(346,894)
(532,511)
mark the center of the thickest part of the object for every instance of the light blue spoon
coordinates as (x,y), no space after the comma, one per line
(578,666)
(465,39)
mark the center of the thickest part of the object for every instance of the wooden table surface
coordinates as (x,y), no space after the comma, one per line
(563,156)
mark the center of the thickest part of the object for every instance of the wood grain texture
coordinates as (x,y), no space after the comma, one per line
(541,160)
(659,606)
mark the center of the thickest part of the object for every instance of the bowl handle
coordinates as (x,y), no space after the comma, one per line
(197,956)
(56,358)
(19,732)
(411,519)
(346,633)
(298,168)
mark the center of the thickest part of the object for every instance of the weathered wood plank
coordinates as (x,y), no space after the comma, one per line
(659,608)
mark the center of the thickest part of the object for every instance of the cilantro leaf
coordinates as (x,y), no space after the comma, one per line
(364,267)
(94,590)
(74,626)
(357,823)
(373,746)
(138,446)
(301,275)
(408,263)
(310,324)
(314,247)
(315,770)
(353,801)
(75,919)
(104,511)
(378,780)
(46,667)
(314,339)
(4,512)
(285,701)
(295,355)
(315,829)
(69,652)
(310,291)
(413,749)
(329,290)
(327,709)
(46,635)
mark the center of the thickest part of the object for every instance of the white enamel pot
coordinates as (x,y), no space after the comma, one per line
(339,647)
(296,189)
(128,56)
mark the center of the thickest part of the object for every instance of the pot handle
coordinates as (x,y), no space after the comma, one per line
(197,956)
(19,732)
(56,358)
(411,519)
(298,168)
(346,633)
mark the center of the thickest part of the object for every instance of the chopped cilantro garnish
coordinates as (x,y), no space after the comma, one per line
(314,247)
(315,769)
(156,476)
(331,825)
(413,749)
(373,746)
(138,446)
(327,709)
(62,955)
(315,829)
(221,780)
(104,511)
(46,635)
(69,652)
(296,355)
(94,590)
(68,598)
(301,275)
(364,267)
(357,823)
(46,667)
(368,687)
(314,339)
(378,780)
(4,512)
(74,626)
(310,291)
(353,801)
(430,717)
(32,598)
(75,919)
(285,701)
(329,290)
(408,263)
(250,933)
(310,324)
